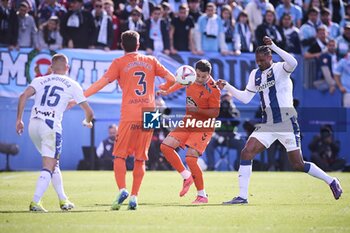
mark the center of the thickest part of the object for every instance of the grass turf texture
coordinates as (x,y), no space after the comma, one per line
(278,202)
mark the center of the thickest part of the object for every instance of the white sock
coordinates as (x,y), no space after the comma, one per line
(244,172)
(313,170)
(185,174)
(133,198)
(123,189)
(42,184)
(57,183)
(202,193)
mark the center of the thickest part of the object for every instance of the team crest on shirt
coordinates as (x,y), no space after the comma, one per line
(201,94)
(269,74)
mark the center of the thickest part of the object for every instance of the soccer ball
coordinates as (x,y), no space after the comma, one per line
(185,75)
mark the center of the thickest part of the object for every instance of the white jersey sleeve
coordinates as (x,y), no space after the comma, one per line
(78,94)
(251,82)
(35,84)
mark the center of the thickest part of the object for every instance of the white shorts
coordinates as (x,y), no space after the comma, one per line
(287,132)
(46,140)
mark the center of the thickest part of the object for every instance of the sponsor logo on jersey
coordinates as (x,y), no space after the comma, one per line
(265,85)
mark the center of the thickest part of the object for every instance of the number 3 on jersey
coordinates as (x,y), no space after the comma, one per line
(141,75)
(53,98)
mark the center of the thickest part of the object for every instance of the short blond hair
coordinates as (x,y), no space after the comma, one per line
(59,61)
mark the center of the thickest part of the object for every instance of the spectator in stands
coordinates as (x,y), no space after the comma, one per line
(236,9)
(167,15)
(109,8)
(24,31)
(77,27)
(50,8)
(256,11)
(291,34)
(49,35)
(318,4)
(194,10)
(174,5)
(343,42)
(32,6)
(7,17)
(103,37)
(104,150)
(245,36)
(346,18)
(135,23)
(227,135)
(210,32)
(333,28)
(182,27)
(337,10)
(293,10)
(342,78)
(147,8)
(325,150)
(157,35)
(320,45)
(325,68)
(232,39)
(270,29)
(308,30)
(130,5)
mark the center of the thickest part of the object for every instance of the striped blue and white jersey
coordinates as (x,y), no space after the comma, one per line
(52,94)
(276,92)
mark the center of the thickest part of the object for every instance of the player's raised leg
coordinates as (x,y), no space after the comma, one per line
(296,159)
(120,178)
(197,174)
(168,149)
(252,147)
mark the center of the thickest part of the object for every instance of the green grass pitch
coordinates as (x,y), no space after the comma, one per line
(278,202)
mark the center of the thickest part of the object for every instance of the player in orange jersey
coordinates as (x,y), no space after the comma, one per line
(202,104)
(135,74)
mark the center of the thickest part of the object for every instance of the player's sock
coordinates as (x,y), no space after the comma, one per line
(202,193)
(42,184)
(120,172)
(196,172)
(185,174)
(138,173)
(172,157)
(244,172)
(57,183)
(317,172)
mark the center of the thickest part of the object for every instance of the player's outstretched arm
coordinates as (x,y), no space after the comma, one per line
(170,81)
(164,90)
(244,96)
(89,114)
(96,86)
(28,92)
(290,62)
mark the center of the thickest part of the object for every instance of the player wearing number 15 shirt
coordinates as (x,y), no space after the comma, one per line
(135,74)
(51,96)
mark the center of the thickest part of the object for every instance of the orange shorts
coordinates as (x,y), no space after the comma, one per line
(132,140)
(194,139)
